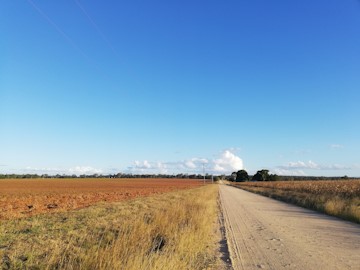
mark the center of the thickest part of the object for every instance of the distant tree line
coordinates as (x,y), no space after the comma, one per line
(239,176)
(118,175)
(264,175)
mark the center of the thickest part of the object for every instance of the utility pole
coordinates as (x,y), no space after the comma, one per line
(204,171)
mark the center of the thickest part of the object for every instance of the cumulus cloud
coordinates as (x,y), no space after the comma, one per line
(193,163)
(190,164)
(84,170)
(148,167)
(226,162)
(142,164)
(300,165)
(288,172)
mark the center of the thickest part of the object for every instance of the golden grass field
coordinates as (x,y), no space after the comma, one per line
(339,198)
(174,230)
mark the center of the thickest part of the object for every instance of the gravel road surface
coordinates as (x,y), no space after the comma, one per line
(263,233)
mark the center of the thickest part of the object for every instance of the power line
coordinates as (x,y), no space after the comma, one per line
(58,29)
(203,165)
(103,36)
(62,33)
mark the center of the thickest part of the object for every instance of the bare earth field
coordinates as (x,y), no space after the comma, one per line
(267,234)
(21,198)
(174,230)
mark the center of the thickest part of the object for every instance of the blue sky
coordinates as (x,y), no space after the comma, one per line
(164,86)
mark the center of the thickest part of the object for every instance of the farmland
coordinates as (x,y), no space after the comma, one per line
(159,224)
(22,198)
(339,198)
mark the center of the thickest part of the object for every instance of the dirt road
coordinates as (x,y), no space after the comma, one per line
(266,234)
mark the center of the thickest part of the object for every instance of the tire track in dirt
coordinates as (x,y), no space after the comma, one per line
(264,233)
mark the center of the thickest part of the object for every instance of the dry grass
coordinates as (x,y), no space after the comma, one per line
(336,198)
(176,230)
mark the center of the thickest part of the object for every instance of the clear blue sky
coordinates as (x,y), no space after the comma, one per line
(163,86)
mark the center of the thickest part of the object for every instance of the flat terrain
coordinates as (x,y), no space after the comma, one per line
(343,188)
(339,198)
(22,198)
(267,234)
(174,230)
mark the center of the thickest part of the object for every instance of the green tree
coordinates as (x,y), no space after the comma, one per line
(232,177)
(273,177)
(242,176)
(262,175)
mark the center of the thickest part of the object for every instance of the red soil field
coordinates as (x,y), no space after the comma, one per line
(22,198)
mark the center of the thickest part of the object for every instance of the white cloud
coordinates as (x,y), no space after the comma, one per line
(288,172)
(31,170)
(190,164)
(142,164)
(301,165)
(227,162)
(84,170)
(337,167)
(148,167)
(200,160)
(52,171)
(312,165)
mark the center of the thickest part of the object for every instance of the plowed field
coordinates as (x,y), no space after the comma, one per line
(21,198)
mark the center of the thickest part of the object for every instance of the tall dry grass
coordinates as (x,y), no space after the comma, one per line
(169,231)
(336,198)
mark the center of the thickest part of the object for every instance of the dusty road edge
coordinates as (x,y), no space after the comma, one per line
(284,199)
(223,244)
(225,252)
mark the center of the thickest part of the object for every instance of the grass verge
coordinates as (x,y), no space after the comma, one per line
(339,199)
(177,230)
